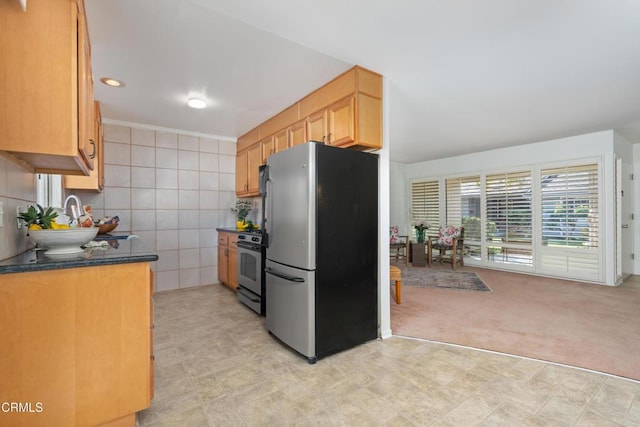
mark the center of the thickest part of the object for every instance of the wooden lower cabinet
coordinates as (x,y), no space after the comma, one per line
(228,259)
(76,343)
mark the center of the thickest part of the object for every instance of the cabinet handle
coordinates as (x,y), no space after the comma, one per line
(93,153)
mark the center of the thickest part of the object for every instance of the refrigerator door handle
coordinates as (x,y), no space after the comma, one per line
(285,276)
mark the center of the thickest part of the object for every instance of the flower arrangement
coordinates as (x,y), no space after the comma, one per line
(421,226)
(241,211)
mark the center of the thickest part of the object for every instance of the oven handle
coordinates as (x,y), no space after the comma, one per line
(249,246)
(284,276)
(249,297)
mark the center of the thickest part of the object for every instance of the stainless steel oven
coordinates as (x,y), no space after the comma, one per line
(251,255)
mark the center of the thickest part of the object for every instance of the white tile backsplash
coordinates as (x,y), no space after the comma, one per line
(188,160)
(208,145)
(117,154)
(167,239)
(117,198)
(167,140)
(143,156)
(143,220)
(189,277)
(187,142)
(168,260)
(209,180)
(209,162)
(188,180)
(227,147)
(189,218)
(189,258)
(143,137)
(167,219)
(143,198)
(227,164)
(189,239)
(143,177)
(227,182)
(117,176)
(188,199)
(166,199)
(172,190)
(167,178)
(115,133)
(166,158)
(168,280)
(208,200)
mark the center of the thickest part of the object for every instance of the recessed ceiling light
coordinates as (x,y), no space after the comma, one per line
(196,103)
(112,82)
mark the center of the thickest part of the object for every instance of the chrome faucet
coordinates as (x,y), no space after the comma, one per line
(76,211)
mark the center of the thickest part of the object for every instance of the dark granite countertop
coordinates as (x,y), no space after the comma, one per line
(118,249)
(229,229)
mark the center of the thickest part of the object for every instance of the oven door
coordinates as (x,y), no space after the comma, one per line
(250,267)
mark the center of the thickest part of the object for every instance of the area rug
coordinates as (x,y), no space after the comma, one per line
(422,277)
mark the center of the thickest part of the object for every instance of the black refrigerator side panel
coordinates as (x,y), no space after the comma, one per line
(347,250)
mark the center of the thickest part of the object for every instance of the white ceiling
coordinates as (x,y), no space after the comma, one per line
(463,75)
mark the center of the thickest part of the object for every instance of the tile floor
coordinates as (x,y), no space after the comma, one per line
(217,366)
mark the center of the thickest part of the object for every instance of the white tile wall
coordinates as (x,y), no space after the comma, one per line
(17,188)
(173,191)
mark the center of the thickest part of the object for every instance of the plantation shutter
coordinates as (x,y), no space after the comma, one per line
(508,207)
(570,220)
(425,203)
(463,205)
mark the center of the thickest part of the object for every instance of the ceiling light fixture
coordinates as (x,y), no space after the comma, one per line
(196,103)
(112,82)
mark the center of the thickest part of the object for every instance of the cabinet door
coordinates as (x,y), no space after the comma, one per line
(341,122)
(268,148)
(223,258)
(86,142)
(281,140)
(298,133)
(95,180)
(242,181)
(233,261)
(317,126)
(254,160)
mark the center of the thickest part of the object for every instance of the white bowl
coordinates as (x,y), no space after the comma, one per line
(63,242)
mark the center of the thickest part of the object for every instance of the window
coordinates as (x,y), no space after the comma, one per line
(463,207)
(547,221)
(570,222)
(425,203)
(508,218)
(49,190)
(570,206)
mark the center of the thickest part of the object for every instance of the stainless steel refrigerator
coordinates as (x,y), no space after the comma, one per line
(321,219)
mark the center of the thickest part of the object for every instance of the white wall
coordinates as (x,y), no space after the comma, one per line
(17,188)
(173,190)
(599,144)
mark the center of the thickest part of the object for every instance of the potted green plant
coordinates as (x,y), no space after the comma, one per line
(241,211)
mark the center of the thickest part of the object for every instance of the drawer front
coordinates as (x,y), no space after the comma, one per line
(223,239)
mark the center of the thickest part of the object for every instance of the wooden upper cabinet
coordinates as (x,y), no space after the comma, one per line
(95,179)
(46,121)
(341,130)
(346,112)
(242,177)
(298,133)
(248,162)
(317,126)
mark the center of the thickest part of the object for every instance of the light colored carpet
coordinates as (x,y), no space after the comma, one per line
(589,326)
